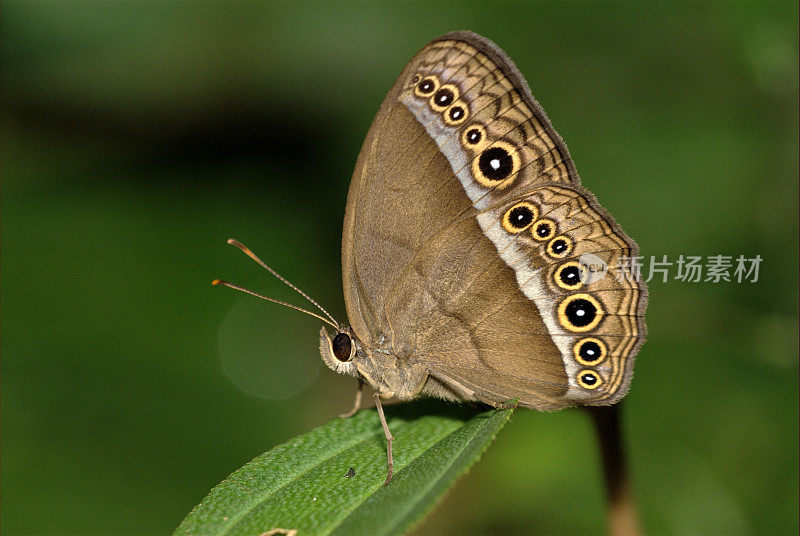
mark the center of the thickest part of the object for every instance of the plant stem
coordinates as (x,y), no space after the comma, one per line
(623,519)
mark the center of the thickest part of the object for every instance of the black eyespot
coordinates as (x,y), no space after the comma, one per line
(473,136)
(571,275)
(415,79)
(456,113)
(590,352)
(580,312)
(520,217)
(444,97)
(427,86)
(342,346)
(559,246)
(589,379)
(496,164)
(544,230)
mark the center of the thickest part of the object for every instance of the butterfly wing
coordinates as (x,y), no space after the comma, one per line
(401,169)
(568,300)
(429,273)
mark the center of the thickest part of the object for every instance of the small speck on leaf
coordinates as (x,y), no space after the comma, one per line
(350,472)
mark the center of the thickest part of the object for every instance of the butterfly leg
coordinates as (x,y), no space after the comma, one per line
(357,405)
(508,404)
(389,439)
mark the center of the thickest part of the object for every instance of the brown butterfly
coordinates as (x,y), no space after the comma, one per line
(470,251)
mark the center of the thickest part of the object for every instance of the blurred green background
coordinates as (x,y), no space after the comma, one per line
(137,137)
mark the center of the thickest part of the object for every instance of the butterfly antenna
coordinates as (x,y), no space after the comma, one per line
(273,300)
(291,285)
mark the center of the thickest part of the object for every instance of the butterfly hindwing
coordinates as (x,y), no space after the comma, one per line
(573,261)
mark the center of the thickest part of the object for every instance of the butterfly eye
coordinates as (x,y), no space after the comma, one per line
(559,247)
(580,312)
(427,87)
(342,347)
(589,379)
(544,229)
(590,351)
(519,217)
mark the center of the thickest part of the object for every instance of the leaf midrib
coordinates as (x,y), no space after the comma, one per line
(432,482)
(445,468)
(306,470)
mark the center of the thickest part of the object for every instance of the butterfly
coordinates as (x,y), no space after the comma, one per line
(475,266)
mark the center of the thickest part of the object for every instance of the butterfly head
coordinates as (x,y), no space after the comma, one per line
(340,352)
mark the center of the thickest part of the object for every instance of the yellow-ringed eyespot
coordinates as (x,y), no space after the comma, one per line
(426,87)
(456,114)
(570,275)
(580,312)
(415,79)
(590,351)
(589,379)
(559,247)
(544,229)
(444,97)
(474,137)
(519,217)
(496,165)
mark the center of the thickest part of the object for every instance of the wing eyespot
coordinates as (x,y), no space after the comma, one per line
(496,166)
(590,351)
(560,246)
(589,379)
(570,275)
(426,87)
(474,137)
(519,217)
(580,312)
(456,114)
(444,97)
(543,229)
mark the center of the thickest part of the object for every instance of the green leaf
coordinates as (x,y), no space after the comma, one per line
(304,483)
